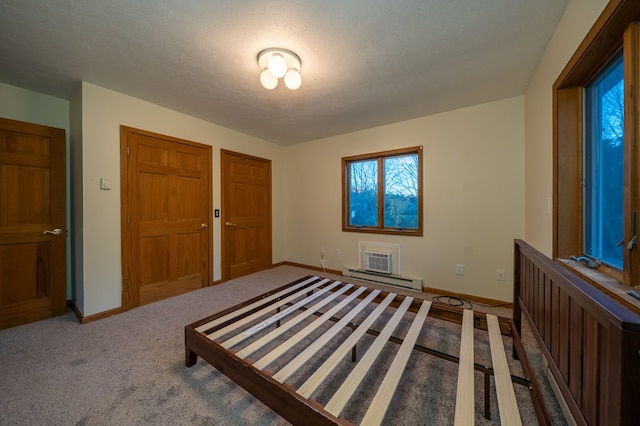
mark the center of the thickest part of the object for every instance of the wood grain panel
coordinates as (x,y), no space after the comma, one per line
(591,369)
(568,172)
(21,180)
(166,215)
(150,154)
(32,200)
(564,330)
(539,300)
(631,59)
(547,311)
(23,146)
(188,161)
(554,344)
(153,204)
(576,349)
(21,281)
(188,252)
(153,262)
(529,286)
(246,212)
(190,189)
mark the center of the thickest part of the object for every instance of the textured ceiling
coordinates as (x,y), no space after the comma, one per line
(365,63)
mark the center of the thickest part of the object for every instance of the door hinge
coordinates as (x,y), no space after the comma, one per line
(128,218)
(127,150)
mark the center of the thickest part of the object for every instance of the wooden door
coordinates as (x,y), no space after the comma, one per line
(246,214)
(166,195)
(32,223)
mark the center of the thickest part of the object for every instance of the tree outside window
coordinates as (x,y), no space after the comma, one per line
(382,192)
(604,165)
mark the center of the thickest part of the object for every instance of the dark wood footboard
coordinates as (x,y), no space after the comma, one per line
(591,342)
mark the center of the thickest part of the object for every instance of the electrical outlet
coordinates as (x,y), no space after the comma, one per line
(338,252)
(500,275)
(459,269)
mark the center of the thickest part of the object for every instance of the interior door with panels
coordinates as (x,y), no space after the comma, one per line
(166,216)
(246,208)
(32,222)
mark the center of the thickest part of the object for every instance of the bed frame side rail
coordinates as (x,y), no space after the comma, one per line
(591,342)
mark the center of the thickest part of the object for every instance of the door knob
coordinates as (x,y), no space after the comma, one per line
(230,224)
(56,231)
(204,226)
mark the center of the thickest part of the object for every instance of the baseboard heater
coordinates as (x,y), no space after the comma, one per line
(389,279)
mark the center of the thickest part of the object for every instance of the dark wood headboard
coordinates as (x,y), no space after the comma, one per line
(591,342)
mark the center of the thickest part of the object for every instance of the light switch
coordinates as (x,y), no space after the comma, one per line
(105,183)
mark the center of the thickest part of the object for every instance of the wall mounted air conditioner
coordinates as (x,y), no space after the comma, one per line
(376,261)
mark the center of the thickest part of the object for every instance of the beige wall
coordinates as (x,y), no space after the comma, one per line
(473,197)
(103,111)
(32,107)
(578,18)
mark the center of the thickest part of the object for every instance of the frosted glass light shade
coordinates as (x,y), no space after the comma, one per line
(267,80)
(292,79)
(277,65)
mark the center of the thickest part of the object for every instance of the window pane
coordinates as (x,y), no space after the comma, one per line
(401,191)
(604,166)
(363,196)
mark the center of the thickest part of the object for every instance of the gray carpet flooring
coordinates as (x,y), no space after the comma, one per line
(129,369)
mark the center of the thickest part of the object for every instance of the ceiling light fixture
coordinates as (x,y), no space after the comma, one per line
(277,63)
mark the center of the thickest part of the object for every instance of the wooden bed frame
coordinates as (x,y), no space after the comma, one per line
(322,309)
(590,340)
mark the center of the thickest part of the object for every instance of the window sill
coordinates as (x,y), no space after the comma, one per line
(388,231)
(606,283)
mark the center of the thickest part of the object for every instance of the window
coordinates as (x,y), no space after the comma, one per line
(382,192)
(604,165)
(596,158)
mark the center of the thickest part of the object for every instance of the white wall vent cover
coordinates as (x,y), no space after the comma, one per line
(376,261)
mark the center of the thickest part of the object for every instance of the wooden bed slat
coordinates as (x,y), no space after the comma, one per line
(507,405)
(465,394)
(304,356)
(204,327)
(289,310)
(380,404)
(285,346)
(275,318)
(344,393)
(245,352)
(264,311)
(327,367)
(297,309)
